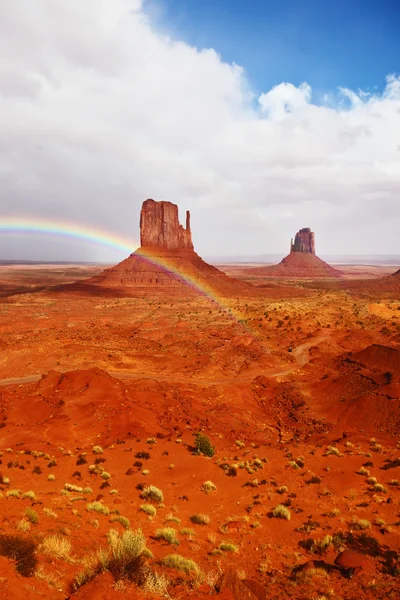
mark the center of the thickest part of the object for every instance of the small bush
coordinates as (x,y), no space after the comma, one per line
(281,512)
(175,561)
(282,490)
(153,494)
(363,471)
(87,491)
(360,524)
(50,513)
(187,531)
(228,547)
(57,546)
(332,451)
(372,480)
(51,477)
(22,551)
(97,507)
(13,494)
(148,509)
(378,487)
(168,534)
(200,519)
(208,487)
(142,455)
(122,520)
(30,495)
(32,516)
(203,445)
(105,475)
(97,450)
(70,487)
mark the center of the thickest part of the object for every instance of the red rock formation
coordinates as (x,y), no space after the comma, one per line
(166,258)
(160,227)
(304,241)
(302,261)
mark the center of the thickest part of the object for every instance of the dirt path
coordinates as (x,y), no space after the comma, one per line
(301,355)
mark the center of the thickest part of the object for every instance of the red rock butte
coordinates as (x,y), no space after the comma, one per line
(302,262)
(166,258)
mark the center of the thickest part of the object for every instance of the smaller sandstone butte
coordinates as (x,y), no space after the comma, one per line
(302,262)
(160,227)
(304,241)
(166,259)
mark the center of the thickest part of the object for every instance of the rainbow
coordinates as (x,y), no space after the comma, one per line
(67,229)
(32,225)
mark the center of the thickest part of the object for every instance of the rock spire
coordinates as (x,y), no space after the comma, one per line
(160,227)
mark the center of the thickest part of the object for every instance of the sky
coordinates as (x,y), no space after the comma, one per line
(260,118)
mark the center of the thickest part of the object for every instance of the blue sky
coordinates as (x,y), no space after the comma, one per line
(353,43)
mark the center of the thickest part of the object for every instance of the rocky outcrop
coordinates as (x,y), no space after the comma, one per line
(160,227)
(304,241)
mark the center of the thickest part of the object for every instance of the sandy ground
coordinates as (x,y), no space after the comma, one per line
(143,373)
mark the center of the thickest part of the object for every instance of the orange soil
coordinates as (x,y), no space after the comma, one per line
(81,369)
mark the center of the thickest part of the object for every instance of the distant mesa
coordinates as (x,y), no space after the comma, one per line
(302,261)
(166,257)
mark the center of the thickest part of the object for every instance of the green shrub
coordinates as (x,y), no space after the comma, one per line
(152,493)
(30,495)
(32,516)
(175,561)
(122,520)
(203,445)
(228,547)
(97,507)
(148,509)
(168,534)
(281,512)
(200,519)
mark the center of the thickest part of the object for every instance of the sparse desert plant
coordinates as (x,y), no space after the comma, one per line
(57,546)
(372,480)
(145,472)
(378,487)
(70,487)
(32,516)
(322,544)
(122,520)
(149,509)
(125,550)
(187,531)
(152,493)
(50,513)
(156,584)
(332,451)
(168,534)
(203,445)
(13,494)
(175,561)
(395,482)
(240,444)
(200,519)
(20,550)
(30,495)
(98,507)
(281,512)
(87,491)
(23,525)
(360,524)
(97,450)
(172,519)
(363,471)
(105,475)
(51,477)
(282,489)
(228,547)
(208,487)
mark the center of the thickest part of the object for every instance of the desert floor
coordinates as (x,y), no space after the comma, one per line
(101,397)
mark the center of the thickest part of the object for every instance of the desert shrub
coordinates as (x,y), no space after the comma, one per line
(372,480)
(125,552)
(332,451)
(51,477)
(37,470)
(50,513)
(321,544)
(32,516)
(153,494)
(23,525)
(122,520)
(172,519)
(97,450)
(30,495)
(208,487)
(228,547)
(203,445)
(105,475)
(149,509)
(81,460)
(282,490)
(57,546)
(175,561)
(168,534)
(145,472)
(52,463)
(22,551)
(200,519)
(13,494)
(70,487)
(363,471)
(281,512)
(87,491)
(97,507)
(360,524)
(378,487)
(187,531)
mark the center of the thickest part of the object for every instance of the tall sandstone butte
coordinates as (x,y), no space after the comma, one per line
(166,258)
(160,227)
(304,241)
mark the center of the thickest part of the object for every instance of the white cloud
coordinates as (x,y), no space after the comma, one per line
(99,111)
